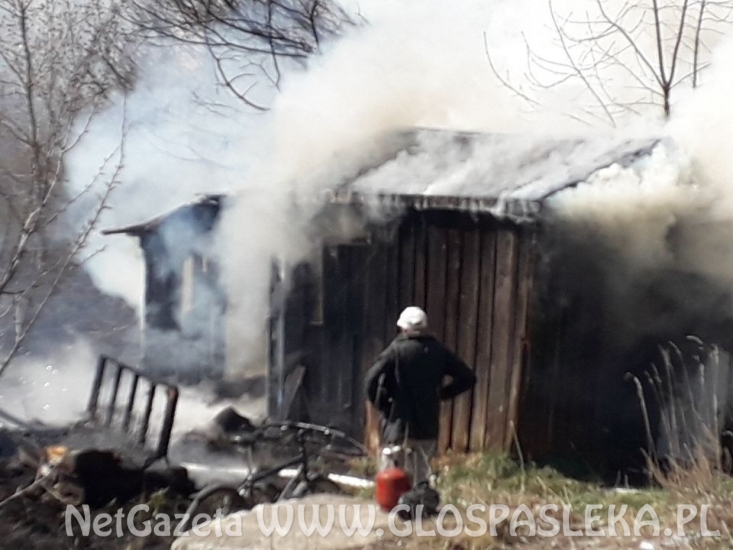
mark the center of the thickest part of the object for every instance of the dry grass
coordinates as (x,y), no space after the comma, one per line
(489,479)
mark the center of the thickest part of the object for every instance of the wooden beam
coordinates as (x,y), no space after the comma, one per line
(467,333)
(502,334)
(356,305)
(374,341)
(521,333)
(340,378)
(437,258)
(407,264)
(484,328)
(421,267)
(392,289)
(452,314)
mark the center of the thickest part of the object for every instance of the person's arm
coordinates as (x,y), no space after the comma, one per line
(377,388)
(463,378)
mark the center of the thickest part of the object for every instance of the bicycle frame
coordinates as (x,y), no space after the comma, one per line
(301,461)
(293,488)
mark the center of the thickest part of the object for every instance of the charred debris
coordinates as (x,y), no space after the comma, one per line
(122,454)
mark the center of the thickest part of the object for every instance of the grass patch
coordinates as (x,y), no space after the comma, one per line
(498,479)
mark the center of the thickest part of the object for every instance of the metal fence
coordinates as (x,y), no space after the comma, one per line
(124,398)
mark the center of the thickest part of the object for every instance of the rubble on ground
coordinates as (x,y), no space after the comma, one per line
(39,481)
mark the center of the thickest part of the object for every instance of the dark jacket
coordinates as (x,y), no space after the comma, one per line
(406,384)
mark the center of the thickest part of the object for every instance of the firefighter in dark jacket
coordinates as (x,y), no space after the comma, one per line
(407,384)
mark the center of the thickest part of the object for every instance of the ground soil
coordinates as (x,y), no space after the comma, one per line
(36,521)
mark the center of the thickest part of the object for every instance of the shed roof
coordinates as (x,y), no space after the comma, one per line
(504,174)
(196,210)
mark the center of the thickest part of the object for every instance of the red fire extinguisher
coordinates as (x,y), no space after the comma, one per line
(391,481)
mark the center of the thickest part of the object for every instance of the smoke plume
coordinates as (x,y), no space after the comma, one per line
(412,64)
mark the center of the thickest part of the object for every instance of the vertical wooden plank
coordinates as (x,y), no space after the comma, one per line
(407,264)
(521,327)
(372,435)
(452,315)
(437,258)
(466,348)
(482,363)
(342,371)
(392,290)
(358,290)
(317,378)
(421,267)
(384,264)
(374,312)
(295,315)
(501,335)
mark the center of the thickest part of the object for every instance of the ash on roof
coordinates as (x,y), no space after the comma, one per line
(493,172)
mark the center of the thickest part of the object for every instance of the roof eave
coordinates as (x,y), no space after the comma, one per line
(515,209)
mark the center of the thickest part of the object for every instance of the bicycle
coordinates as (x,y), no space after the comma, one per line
(225,499)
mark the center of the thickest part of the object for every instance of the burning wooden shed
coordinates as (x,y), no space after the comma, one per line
(462,225)
(184,304)
(452,222)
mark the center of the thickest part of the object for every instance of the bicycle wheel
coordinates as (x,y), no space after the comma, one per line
(320,484)
(218,500)
(223,501)
(324,485)
(314,485)
(320,439)
(264,493)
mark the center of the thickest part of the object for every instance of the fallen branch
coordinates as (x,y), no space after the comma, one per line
(37,483)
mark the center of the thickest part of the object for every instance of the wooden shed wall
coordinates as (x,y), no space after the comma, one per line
(472,275)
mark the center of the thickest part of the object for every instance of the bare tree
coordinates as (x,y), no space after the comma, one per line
(59,61)
(626,59)
(247,39)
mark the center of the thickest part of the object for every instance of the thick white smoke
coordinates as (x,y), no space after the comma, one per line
(53,390)
(187,135)
(183,137)
(414,63)
(634,206)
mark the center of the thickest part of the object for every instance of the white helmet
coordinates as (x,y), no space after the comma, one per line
(413,318)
